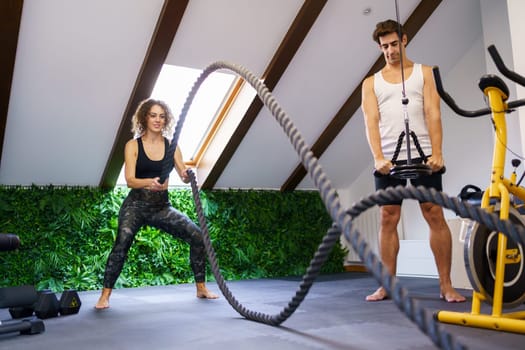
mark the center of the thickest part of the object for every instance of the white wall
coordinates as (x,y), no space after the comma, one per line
(516,8)
(496,31)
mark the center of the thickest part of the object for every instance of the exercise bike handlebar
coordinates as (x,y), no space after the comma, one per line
(498,61)
(450,101)
(515,77)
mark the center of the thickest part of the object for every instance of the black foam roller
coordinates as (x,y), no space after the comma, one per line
(17,296)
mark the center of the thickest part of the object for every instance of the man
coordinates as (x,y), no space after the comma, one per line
(384,121)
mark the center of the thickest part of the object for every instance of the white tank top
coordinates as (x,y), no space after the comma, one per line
(391,115)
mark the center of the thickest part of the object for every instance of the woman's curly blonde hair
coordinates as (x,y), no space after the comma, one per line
(140,118)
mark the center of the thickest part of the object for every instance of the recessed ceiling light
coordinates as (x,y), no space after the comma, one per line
(367,11)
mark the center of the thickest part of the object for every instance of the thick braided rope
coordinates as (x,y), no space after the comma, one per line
(409,306)
(312,272)
(462,209)
(342,219)
(310,162)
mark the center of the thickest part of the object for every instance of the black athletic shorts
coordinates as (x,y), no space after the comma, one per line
(428,181)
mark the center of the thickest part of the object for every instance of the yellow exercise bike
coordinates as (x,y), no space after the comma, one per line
(495,264)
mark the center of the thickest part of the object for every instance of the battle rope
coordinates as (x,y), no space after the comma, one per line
(342,221)
(317,262)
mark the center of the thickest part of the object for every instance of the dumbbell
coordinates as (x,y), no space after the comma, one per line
(69,303)
(48,305)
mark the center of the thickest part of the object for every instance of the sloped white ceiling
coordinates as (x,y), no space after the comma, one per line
(236,31)
(77,62)
(75,67)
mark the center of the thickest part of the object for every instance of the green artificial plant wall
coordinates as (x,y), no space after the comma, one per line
(66,235)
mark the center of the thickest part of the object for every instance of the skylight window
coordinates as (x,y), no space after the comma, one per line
(173,86)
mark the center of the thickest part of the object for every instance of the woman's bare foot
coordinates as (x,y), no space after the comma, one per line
(378,295)
(451,296)
(102,304)
(204,293)
(103,301)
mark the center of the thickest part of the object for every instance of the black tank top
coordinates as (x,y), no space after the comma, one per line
(147,168)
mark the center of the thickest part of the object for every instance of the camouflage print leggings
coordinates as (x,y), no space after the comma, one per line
(143,207)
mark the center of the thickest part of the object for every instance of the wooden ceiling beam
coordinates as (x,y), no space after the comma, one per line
(413,24)
(302,24)
(10,17)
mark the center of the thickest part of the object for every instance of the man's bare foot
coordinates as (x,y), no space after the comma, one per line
(103,301)
(204,293)
(451,296)
(378,295)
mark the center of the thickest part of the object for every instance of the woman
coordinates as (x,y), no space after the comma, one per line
(147,203)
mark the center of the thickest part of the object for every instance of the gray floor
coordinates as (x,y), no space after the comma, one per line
(334,315)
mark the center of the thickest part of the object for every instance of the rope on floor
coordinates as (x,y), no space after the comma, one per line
(342,221)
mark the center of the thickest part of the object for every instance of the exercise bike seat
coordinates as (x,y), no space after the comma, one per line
(491,80)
